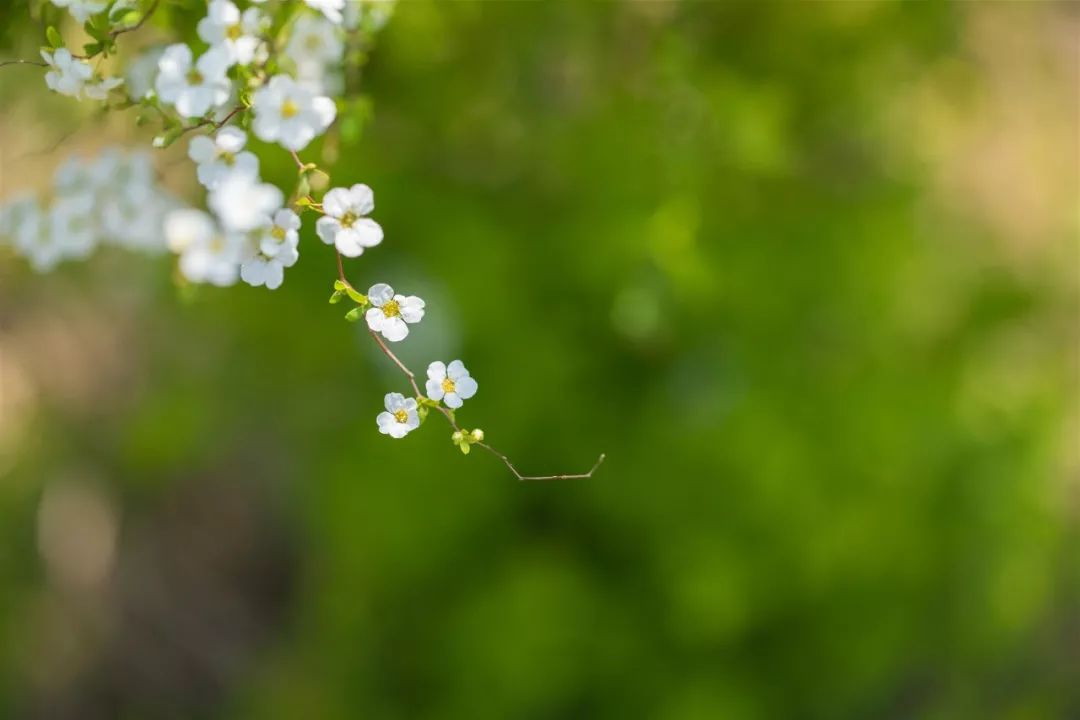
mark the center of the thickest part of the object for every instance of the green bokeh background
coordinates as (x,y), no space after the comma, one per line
(838,406)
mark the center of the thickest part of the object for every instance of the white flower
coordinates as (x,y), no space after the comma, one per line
(343,224)
(391,312)
(276,250)
(330,8)
(24,224)
(220,157)
(224,26)
(99,89)
(67,75)
(192,89)
(450,384)
(314,41)
(81,10)
(400,417)
(207,254)
(141,73)
(242,203)
(290,114)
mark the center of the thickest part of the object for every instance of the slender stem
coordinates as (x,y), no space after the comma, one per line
(146,16)
(23,62)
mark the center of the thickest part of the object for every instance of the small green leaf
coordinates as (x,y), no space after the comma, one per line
(340,286)
(353,315)
(53,36)
(336,298)
(355,296)
(422,412)
(92,49)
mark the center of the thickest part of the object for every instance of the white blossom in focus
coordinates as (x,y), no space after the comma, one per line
(275,250)
(290,114)
(344,225)
(192,89)
(81,10)
(332,9)
(401,416)
(451,384)
(207,253)
(242,203)
(226,27)
(67,75)
(392,314)
(221,156)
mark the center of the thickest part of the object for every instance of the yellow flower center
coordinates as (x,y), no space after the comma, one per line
(313,42)
(448,385)
(289,109)
(348,219)
(194,77)
(227,157)
(217,244)
(278,233)
(234,32)
(391,309)
(401,416)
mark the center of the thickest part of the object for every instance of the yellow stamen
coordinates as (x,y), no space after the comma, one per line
(278,233)
(234,32)
(391,309)
(401,416)
(289,109)
(194,77)
(448,385)
(347,219)
(227,157)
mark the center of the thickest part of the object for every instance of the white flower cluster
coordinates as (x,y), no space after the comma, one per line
(112,199)
(74,77)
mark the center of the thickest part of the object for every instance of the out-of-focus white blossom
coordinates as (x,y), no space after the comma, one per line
(400,417)
(142,72)
(81,10)
(289,114)
(67,75)
(343,225)
(392,314)
(314,41)
(192,89)
(332,9)
(373,14)
(243,203)
(221,156)
(452,384)
(226,27)
(208,254)
(99,88)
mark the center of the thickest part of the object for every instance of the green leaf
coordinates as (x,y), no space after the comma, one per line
(53,36)
(336,298)
(356,297)
(92,49)
(353,315)
(340,286)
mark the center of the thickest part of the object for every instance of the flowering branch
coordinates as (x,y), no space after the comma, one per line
(275,65)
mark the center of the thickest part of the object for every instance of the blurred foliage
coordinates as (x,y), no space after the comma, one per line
(838,410)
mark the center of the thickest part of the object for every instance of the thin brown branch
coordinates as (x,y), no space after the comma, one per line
(520,477)
(132,28)
(232,113)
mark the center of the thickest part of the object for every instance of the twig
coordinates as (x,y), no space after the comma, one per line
(146,16)
(23,62)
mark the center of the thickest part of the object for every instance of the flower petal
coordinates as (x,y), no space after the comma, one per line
(380,293)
